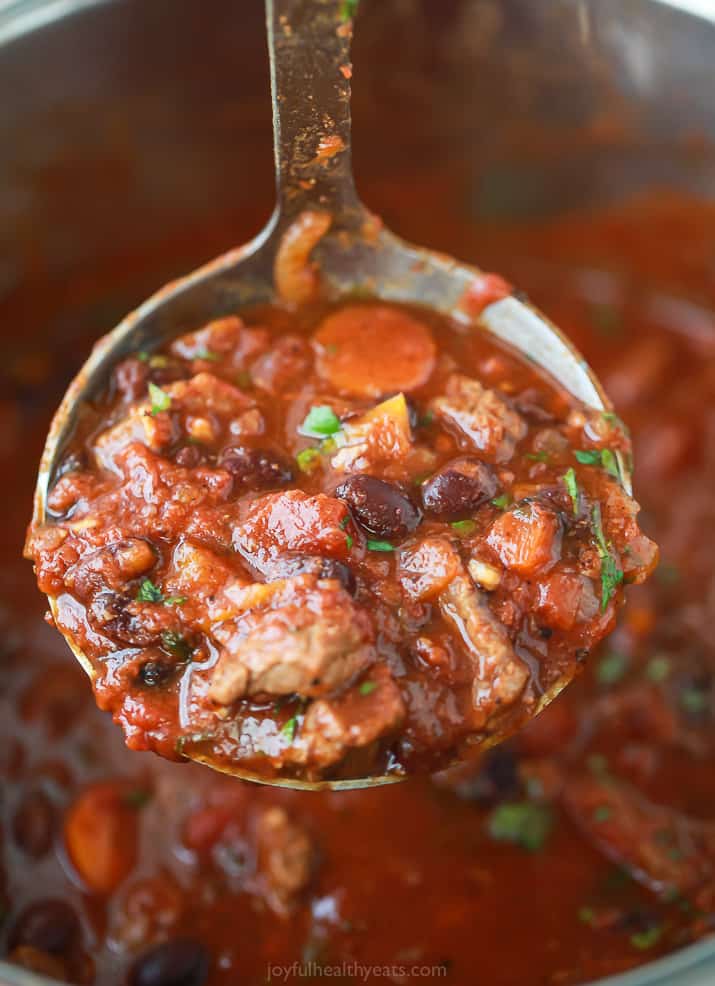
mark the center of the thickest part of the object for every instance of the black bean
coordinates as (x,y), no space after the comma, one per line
(33,824)
(381,508)
(459,488)
(190,456)
(256,468)
(153,674)
(49,925)
(109,612)
(176,963)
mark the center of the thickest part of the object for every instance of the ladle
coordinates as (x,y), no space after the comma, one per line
(320,237)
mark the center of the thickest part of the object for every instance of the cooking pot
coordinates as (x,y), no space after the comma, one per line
(123,125)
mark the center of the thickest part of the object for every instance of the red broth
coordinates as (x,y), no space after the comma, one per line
(582,848)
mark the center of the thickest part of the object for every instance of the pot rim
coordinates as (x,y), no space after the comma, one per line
(697,961)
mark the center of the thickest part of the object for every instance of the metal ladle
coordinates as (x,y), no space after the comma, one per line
(309,46)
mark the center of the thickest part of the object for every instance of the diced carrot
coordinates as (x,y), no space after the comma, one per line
(370,350)
(101,832)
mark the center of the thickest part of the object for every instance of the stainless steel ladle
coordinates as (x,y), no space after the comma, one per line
(320,219)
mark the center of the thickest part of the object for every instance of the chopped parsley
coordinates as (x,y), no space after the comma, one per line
(379,545)
(588,457)
(601,813)
(149,593)
(611,668)
(694,700)
(658,668)
(643,940)
(160,400)
(143,356)
(320,422)
(524,823)
(136,798)
(308,460)
(502,501)
(586,915)
(208,355)
(349,541)
(344,522)
(426,420)
(611,573)
(463,527)
(348,10)
(367,687)
(175,644)
(569,478)
(603,457)
(289,728)
(538,456)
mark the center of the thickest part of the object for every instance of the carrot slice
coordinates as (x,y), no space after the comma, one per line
(371,350)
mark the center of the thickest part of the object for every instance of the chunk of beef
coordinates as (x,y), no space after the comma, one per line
(659,847)
(482,416)
(293,521)
(427,567)
(499,675)
(527,538)
(639,555)
(285,858)
(310,639)
(382,434)
(197,407)
(567,598)
(332,727)
(213,588)
(227,342)
(110,567)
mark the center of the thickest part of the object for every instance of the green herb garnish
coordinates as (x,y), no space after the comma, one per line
(611,668)
(349,541)
(601,813)
(175,644)
(379,545)
(149,593)
(160,400)
(348,10)
(694,700)
(320,422)
(588,457)
(367,687)
(143,356)
(611,573)
(502,501)
(426,420)
(289,728)
(524,823)
(176,600)
(569,478)
(136,798)
(208,355)
(643,940)
(308,460)
(463,527)
(586,915)
(538,456)
(658,668)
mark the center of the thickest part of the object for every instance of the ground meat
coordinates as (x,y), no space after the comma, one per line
(481,416)
(309,642)
(284,365)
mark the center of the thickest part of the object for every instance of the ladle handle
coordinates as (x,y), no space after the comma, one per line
(309,48)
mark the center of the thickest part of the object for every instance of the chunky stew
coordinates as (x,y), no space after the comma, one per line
(582,848)
(336,543)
